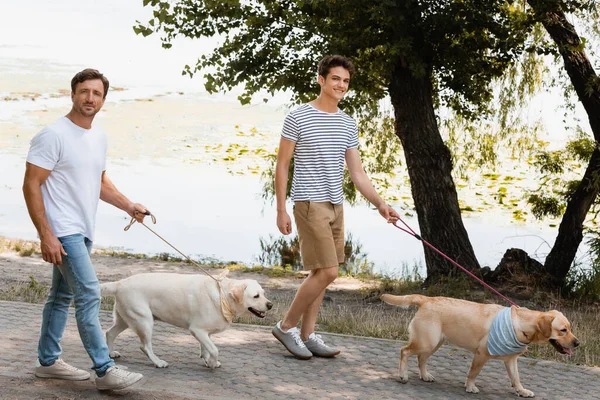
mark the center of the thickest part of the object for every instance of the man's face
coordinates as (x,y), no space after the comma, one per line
(88,97)
(336,83)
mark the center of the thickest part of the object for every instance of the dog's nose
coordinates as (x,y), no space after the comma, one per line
(269,305)
(576,343)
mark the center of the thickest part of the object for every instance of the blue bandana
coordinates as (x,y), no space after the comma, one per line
(502,339)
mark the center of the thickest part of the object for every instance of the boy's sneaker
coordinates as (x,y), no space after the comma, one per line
(60,370)
(292,341)
(318,348)
(117,378)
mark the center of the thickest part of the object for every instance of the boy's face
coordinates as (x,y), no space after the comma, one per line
(335,84)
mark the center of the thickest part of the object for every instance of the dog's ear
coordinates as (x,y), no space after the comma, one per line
(544,325)
(224,273)
(237,292)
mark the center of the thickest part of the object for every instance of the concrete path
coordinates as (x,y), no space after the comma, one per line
(255,365)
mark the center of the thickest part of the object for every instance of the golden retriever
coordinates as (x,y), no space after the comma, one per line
(469,325)
(192,302)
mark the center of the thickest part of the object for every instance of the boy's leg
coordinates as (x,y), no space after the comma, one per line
(314,342)
(309,318)
(309,294)
(79,273)
(319,254)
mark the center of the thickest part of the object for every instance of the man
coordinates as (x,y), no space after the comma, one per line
(319,136)
(64,179)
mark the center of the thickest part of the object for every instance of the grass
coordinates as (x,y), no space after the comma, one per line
(24,248)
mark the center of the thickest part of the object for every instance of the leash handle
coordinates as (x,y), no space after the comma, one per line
(411,232)
(134,220)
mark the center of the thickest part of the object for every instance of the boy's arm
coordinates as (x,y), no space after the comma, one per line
(284,157)
(365,187)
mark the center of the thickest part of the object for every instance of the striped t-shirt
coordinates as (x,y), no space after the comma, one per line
(321,139)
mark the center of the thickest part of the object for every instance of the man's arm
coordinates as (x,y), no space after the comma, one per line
(284,156)
(52,250)
(364,185)
(110,194)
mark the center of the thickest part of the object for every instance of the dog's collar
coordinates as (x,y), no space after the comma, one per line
(502,339)
(226,309)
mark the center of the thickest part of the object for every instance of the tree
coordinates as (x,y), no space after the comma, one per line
(423,54)
(585,81)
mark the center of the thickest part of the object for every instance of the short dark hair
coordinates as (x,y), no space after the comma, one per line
(329,62)
(86,75)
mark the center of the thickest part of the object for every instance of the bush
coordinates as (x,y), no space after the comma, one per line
(286,251)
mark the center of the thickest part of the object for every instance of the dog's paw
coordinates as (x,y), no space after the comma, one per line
(427,378)
(161,364)
(211,363)
(525,393)
(114,354)
(472,389)
(403,378)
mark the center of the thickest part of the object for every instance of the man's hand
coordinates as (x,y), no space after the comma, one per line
(52,250)
(387,212)
(284,222)
(137,211)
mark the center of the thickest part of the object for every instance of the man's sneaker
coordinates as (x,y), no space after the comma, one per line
(292,341)
(61,370)
(316,346)
(117,378)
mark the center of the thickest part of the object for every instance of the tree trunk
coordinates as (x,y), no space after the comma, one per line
(429,166)
(587,85)
(570,232)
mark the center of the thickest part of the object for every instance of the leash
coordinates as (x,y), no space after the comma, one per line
(134,220)
(411,232)
(226,309)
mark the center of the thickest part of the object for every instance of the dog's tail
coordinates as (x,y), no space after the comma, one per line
(109,288)
(404,301)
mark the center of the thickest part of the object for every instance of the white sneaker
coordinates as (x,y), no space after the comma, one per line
(60,370)
(117,378)
(316,346)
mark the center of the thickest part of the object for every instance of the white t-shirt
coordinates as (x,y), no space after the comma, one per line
(77,158)
(321,139)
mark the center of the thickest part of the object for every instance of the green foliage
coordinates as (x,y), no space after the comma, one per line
(584,281)
(555,189)
(280,251)
(285,251)
(550,162)
(582,147)
(275,45)
(542,206)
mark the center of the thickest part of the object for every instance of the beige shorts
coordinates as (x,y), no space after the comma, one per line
(321,233)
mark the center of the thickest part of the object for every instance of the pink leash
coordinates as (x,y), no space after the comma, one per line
(417,236)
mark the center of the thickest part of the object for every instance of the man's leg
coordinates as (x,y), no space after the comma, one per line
(79,272)
(77,268)
(54,319)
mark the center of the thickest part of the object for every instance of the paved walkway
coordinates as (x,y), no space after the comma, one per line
(255,365)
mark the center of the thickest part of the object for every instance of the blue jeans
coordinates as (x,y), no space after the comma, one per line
(74,279)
